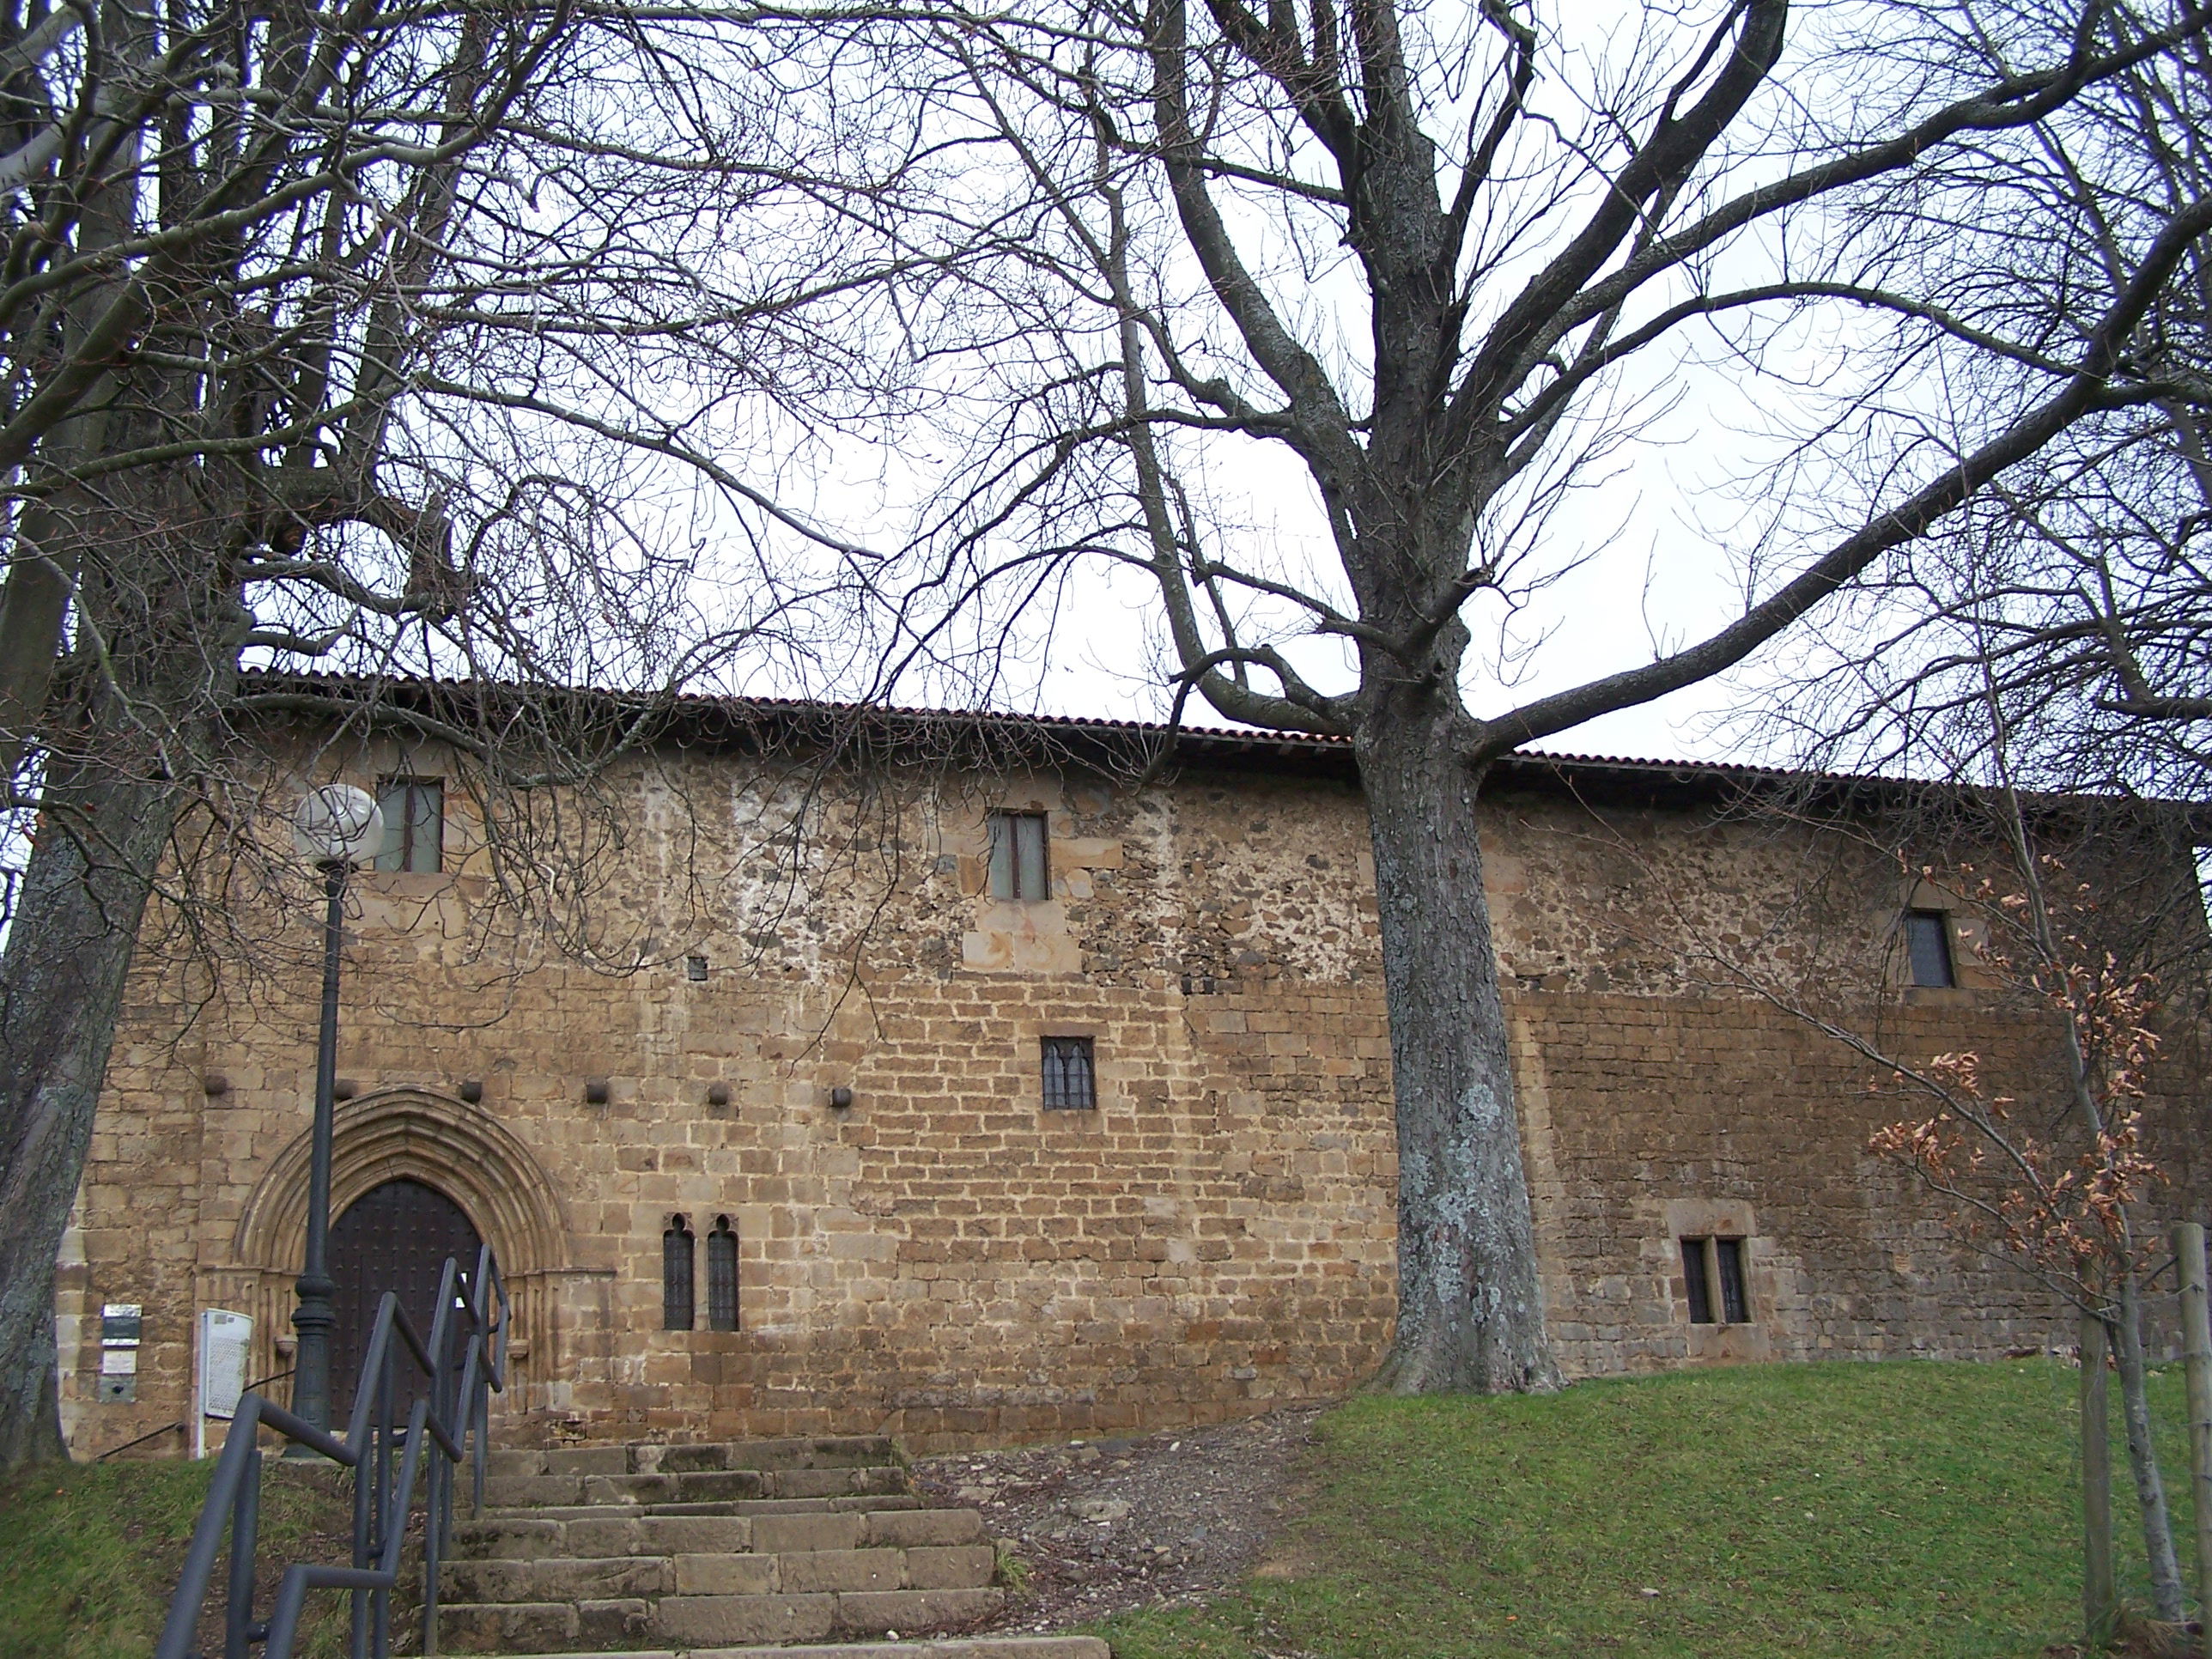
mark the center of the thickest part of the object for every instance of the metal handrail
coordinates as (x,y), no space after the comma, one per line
(453,1416)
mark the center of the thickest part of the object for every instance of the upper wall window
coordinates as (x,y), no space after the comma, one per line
(1928,946)
(1018,870)
(414,825)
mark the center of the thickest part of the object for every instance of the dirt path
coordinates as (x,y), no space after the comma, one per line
(1102,1527)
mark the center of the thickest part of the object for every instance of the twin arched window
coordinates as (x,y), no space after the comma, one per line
(678,1272)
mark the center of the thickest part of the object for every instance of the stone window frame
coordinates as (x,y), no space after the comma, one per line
(1914,925)
(1707,1261)
(1105,1077)
(1706,1217)
(1076,1044)
(399,856)
(1966,937)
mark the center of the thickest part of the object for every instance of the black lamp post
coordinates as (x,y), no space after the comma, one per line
(333,824)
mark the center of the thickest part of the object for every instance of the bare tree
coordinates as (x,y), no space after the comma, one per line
(2076,590)
(1428,253)
(403,343)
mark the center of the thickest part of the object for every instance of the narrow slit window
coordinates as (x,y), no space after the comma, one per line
(1019,865)
(1928,944)
(1727,1256)
(1071,1077)
(677,1268)
(722,1276)
(1694,1281)
(414,812)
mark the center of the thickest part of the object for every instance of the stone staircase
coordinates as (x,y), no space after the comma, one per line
(702,1548)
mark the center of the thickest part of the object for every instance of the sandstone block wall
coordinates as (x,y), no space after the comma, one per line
(944,1259)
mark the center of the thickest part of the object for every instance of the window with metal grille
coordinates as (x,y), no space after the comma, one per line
(414,825)
(1928,944)
(677,1310)
(1713,1281)
(1019,869)
(1070,1080)
(722,1276)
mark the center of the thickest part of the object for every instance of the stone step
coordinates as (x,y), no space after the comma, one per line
(596,1534)
(691,1486)
(889,1500)
(949,1647)
(867,1500)
(753,1573)
(693,1622)
(822,1452)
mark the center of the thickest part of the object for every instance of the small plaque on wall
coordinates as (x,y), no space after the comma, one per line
(120,1324)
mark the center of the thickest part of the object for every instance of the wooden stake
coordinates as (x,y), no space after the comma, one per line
(2099,1599)
(2196,1350)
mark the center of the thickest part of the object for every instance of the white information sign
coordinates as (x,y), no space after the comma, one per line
(225,1341)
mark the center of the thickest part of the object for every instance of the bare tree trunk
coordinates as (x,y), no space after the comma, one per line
(1470,1314)
(61,985)
(2166,1593)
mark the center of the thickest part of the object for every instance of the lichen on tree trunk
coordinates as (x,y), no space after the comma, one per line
(1470,1308)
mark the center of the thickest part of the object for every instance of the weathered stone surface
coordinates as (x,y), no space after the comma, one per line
(739,1621)
(971,1647)
(732,1575)
(508,1540)
(783,1534)
(489,1628)
(695,1535)
(842,1569)
(616,1534)
(921,1528)
(612,1623)
(557,1579)
(866,1612)
(967,1567)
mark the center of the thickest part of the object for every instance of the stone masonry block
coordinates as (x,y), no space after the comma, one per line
(921,1528)
(695,1534)
(728,1575)
(699,1621)
(968,1567)
(789,1534)
(867,1612)
(808,1570)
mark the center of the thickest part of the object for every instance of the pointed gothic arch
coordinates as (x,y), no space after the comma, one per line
(417,1134)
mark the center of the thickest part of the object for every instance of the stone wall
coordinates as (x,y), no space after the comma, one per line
(943,1258)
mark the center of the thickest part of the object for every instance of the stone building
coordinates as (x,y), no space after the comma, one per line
(995,1085)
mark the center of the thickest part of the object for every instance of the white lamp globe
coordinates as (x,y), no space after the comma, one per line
(335,822)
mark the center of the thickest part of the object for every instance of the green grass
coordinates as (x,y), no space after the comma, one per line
(1860,1510)
(89,1554)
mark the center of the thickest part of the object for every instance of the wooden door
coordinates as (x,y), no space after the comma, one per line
(393,1237)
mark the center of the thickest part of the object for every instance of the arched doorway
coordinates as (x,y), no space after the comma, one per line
(395,1237)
